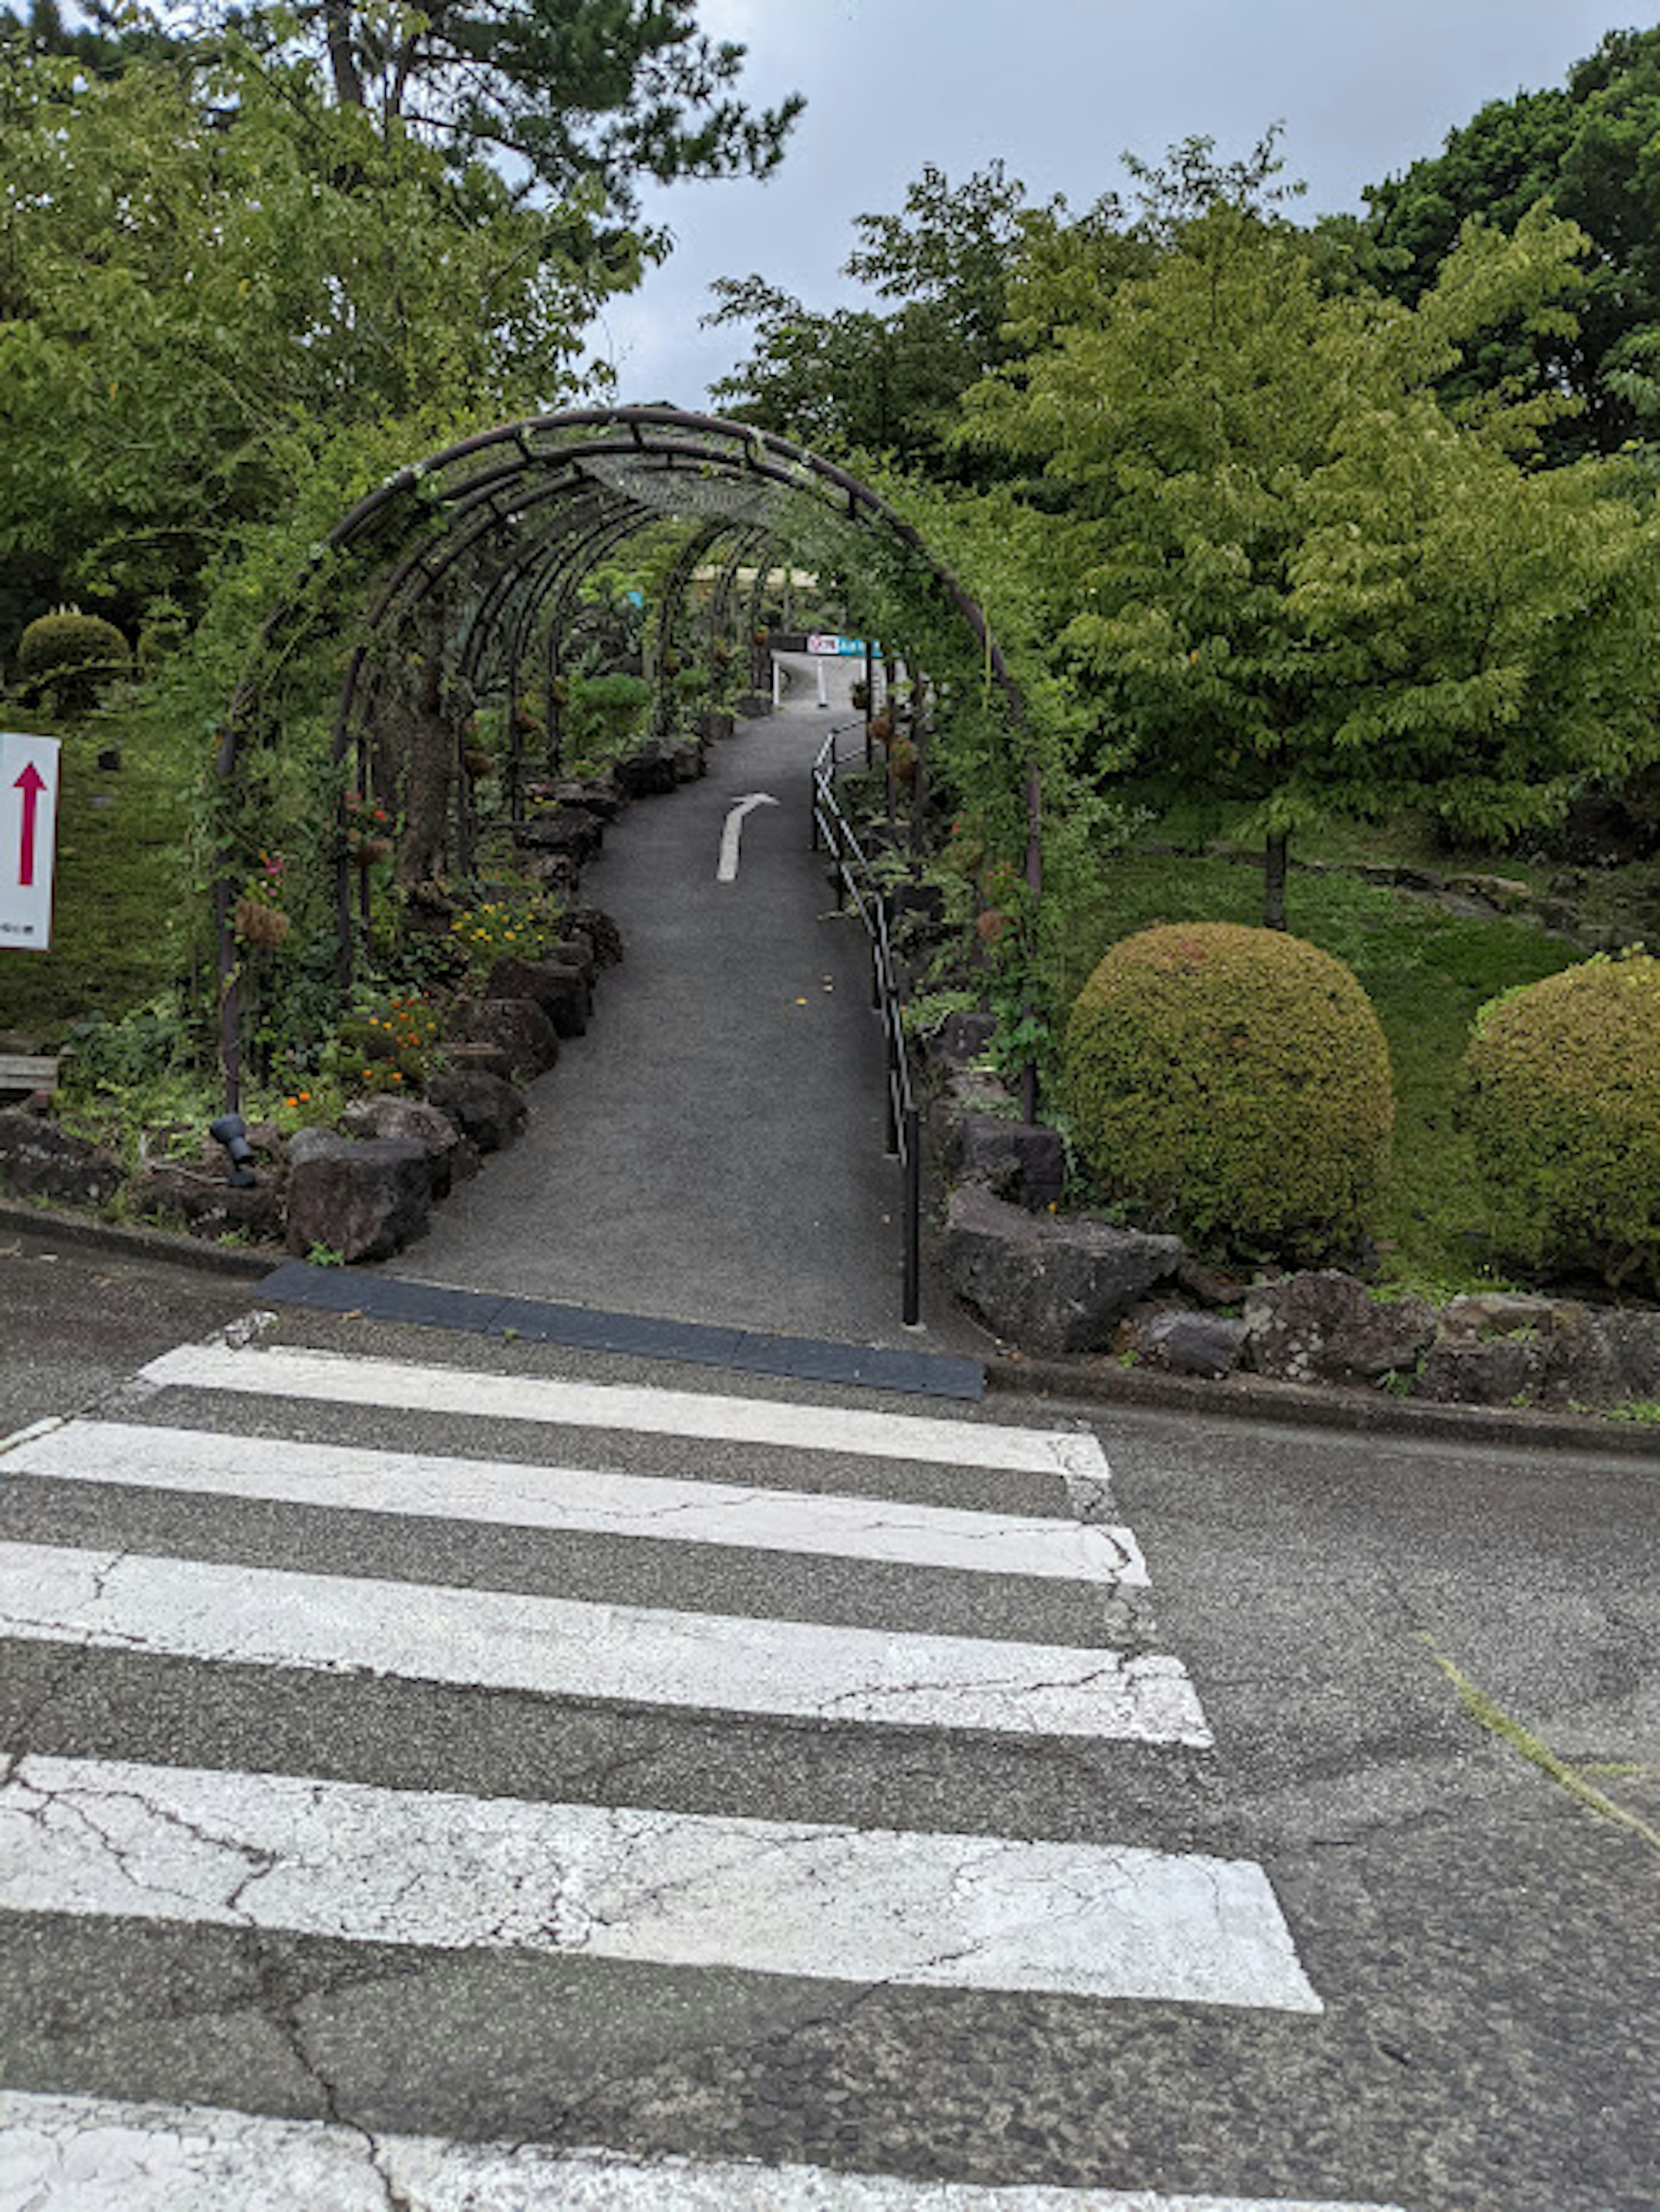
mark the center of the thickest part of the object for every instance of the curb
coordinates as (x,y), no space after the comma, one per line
(1295,1405)
(1089,1379)
(250,1263)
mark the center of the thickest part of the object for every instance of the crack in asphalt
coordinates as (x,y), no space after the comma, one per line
(282,2008)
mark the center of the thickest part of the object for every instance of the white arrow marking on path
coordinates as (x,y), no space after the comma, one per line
(731,835)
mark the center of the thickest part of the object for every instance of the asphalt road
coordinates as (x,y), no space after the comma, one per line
(1469,1881)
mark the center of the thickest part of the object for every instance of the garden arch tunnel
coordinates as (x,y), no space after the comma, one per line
(458,577)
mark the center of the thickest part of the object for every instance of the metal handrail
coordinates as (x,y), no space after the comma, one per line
(903,1138)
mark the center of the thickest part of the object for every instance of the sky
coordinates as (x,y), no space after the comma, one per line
(1058,89)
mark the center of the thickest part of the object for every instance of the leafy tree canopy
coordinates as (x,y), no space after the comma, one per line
(1591,150)
(974,274)
(859,381)
(205,271)
(568,93)
(1290,574)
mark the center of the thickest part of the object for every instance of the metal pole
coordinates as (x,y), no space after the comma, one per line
(913,1299)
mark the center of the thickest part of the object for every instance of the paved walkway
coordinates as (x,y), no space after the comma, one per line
(712,1151)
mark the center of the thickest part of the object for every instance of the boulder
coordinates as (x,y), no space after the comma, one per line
(1210,1286)
(488,1111)
(1505,894)
(973,1094)
(961,1038)
(39,1160)
(561,990)
(450,1158)
(1048,1285)
(573,952)
(647,773)
(364,1200)
(517,1027)
(597,932)
(689,760)
(313,1142)
(572,831)
(1322,1327)
(477,1060)
(1185,1342)
(1504,1370)
(207,1205)
(596,794)
(1019,1160)
(557,874)
(1501,1349)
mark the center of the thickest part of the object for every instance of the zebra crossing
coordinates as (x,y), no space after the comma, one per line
(243,1523)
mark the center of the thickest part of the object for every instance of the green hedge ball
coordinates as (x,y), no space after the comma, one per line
(1233,1084)
(1563,1106)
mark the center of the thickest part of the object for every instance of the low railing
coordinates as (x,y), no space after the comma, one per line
(832,832)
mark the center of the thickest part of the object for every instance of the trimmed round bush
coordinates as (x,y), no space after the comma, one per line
(71,653)
(1562,1102)
(1232,1085)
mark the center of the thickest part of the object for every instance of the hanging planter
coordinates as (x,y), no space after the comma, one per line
(262,926)
(368,851)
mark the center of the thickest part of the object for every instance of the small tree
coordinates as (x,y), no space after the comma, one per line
(1290,576)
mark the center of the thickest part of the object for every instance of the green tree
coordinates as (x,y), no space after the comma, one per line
(205,271)
(1590,150)
(1291,576)
(854,380)
(975,275)
(590,93)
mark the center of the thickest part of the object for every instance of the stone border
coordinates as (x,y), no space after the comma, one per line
(250,1261)
(1050,1286)
(1255,1399)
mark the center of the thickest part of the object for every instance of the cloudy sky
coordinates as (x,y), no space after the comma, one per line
(1057,90)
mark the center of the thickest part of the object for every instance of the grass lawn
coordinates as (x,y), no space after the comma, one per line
(121,908)
(1425,969)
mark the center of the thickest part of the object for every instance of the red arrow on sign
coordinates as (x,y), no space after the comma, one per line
(31,783)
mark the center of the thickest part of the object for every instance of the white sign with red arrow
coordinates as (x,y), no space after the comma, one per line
(28,841)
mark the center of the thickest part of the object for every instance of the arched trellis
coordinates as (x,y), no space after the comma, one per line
(525,510)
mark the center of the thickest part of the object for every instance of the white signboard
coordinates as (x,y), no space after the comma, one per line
(28,841)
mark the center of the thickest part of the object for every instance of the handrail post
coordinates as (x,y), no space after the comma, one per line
(894,1046)
(913,1286)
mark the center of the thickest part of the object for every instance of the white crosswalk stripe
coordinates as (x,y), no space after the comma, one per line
(58,2153)
(346,1381)
(849,1905)
(559,1647)
(595,1500)
(150,1541)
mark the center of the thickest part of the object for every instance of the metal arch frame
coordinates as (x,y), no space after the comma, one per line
(481,489)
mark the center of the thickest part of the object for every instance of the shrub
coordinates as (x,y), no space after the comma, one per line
(69,654)
(1563,1104)
(607,712)
(1233,1084)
